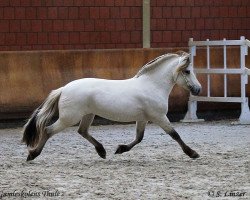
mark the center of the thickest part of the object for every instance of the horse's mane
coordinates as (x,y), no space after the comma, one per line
(153,64)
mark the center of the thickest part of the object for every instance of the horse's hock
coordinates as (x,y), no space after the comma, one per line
(27,77)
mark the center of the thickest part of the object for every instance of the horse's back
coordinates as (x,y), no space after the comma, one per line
(94,86)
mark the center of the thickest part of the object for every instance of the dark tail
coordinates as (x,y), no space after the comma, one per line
(40,118)
(30,134)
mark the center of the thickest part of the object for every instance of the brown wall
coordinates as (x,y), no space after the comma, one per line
(70,24)
(173,22)
(27,77)
(105,24)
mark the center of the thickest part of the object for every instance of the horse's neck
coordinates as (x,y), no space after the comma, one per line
(162,78)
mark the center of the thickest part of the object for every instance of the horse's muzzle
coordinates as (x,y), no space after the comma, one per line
(195,90)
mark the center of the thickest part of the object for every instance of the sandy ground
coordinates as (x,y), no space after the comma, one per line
(69,167)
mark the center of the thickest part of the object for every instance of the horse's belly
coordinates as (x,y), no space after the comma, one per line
(119,110)
(122,116)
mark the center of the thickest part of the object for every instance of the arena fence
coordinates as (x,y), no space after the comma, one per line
(209,70)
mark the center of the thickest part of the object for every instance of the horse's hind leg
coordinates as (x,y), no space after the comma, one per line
(84,131)
(140,128)
(49,132)
(166,126)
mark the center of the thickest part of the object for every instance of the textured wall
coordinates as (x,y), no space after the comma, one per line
(105,24)
(173,22)
(70,24)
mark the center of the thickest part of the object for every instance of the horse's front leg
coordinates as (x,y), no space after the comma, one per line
(140,128)
(164,123)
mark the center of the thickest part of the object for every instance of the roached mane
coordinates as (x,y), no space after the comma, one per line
(154,63)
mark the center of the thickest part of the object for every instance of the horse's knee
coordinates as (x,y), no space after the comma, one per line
(83,131)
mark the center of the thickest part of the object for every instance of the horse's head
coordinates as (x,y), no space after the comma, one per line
(184,75)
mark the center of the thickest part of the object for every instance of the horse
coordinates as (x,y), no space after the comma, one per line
(139,99)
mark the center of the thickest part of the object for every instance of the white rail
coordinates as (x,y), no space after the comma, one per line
(221,71)
(241,70)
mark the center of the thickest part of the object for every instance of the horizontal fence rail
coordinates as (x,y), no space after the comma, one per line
(221,71)
(217,43)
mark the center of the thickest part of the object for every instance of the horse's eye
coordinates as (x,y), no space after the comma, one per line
(187,71)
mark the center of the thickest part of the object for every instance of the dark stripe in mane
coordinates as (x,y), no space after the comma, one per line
(154,63)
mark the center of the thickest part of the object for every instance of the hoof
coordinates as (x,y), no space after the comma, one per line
(121,149)
(29,158)
(194,155)
(32,155)
(101,151)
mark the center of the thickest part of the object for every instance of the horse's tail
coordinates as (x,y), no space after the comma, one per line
(40,118)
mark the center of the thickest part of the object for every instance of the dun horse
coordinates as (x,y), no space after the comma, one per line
(142,98)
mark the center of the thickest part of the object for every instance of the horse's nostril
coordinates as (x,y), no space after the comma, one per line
(195,90)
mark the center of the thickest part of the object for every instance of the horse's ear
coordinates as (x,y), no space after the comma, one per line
(183,67)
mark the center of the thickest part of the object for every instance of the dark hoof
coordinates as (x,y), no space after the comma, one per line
(101,151)
(194,155)
(32,155)
(121,149)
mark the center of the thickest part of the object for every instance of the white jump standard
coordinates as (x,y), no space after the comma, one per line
(242,71)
